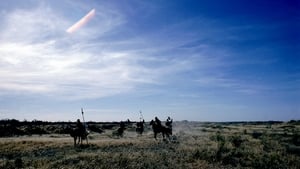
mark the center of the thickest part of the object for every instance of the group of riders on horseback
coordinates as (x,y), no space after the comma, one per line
(81,132)
(159,128)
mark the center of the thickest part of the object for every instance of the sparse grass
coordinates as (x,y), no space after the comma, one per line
(197,145)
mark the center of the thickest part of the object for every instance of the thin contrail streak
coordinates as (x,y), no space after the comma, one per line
(81,22)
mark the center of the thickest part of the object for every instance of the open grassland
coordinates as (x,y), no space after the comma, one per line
(194,145)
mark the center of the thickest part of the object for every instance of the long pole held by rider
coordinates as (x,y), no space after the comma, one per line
(84,124)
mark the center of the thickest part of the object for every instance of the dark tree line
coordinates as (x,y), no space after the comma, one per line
(13,127)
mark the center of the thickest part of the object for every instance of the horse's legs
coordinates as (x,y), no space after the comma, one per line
(155,135)
(87,142)
(78,140)
(75,138)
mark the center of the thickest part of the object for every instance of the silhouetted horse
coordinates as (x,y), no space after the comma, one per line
(119,132)
(80,134)
(140,127)
(160,129)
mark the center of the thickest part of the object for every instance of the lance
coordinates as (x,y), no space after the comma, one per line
(83,117)
(84,124)
(141,116)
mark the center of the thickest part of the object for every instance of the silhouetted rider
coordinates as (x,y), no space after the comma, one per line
(80,126)
(122,125)
(169,122)
(157,121)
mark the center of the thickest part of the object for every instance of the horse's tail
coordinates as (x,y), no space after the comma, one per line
(71,131)
(72,134)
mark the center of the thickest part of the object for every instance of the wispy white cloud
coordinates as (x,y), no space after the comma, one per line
(230,84)
(37,56)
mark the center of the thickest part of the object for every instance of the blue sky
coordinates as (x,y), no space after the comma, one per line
(191,60)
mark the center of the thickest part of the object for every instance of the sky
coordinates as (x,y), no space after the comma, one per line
(196,60)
